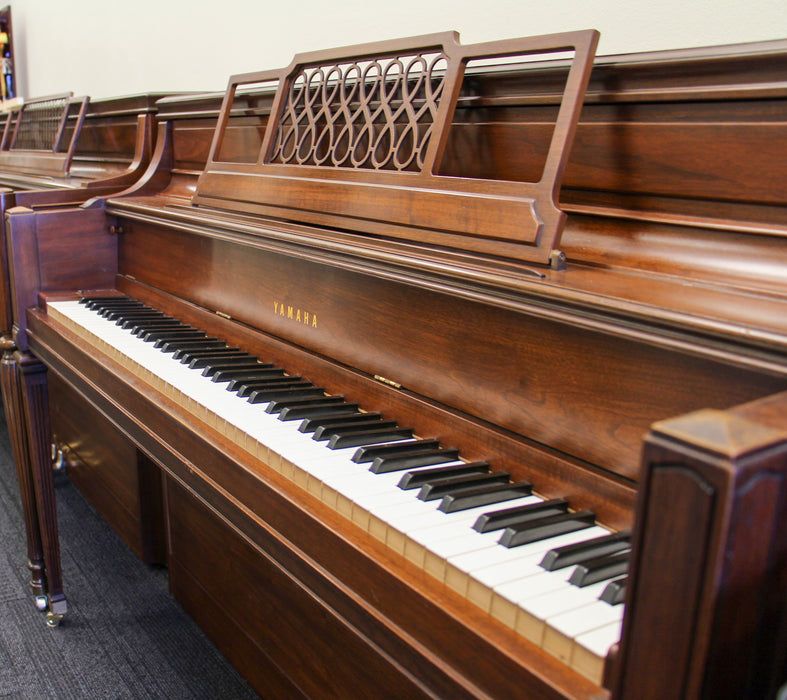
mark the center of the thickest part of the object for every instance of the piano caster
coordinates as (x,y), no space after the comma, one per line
(59,461)
(41,603)
(53,619)
(56,609)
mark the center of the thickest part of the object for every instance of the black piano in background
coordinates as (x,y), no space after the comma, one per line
(546,357)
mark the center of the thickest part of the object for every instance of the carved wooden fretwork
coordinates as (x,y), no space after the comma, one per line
(357,135)
(34,135)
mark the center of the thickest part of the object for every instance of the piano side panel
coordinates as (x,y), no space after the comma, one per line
(585,393)
(705,614)
(6,202)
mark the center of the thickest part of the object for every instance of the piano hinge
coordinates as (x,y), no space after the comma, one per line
(388,382)
(223,315)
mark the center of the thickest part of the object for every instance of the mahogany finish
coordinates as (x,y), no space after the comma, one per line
(97,148)
(671,302)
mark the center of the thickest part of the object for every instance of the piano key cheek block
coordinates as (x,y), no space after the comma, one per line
(445,369)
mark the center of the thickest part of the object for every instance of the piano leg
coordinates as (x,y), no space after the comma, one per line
(14,411)
(32,385)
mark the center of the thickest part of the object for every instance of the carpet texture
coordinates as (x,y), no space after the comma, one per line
(124,635)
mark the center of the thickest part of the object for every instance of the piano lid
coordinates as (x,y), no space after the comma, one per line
(34,135)
(357,136)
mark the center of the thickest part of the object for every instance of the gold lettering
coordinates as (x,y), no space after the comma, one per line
(295,314)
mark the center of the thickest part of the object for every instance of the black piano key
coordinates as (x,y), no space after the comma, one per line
(259,371)
(141,315)
(571,554)
(198,359)
(499,519)
(421,458)
(150,335)
(160,337)
(416,479)
(614,592)
(484,496)
(187,356)
(309,425)
(524,533)
(240,360)
(326,432)
(186,343)
(431,491)
(98,302)
(143,330)
(266,395)
(368,437)
(156,322)
(247,387)
(104,307)
(600,569)
(121,315)
(303,408)
(401,448)
(177,341)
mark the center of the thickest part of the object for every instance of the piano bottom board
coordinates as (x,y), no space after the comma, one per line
(285,640)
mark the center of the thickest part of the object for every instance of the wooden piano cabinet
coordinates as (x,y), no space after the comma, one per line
(287,641)
(706,616)
(123,486)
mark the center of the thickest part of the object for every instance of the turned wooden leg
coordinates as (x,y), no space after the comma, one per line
(33,381)
(15,418)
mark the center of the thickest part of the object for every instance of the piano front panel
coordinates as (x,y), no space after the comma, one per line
(297,632)
(586,393)
(102,463)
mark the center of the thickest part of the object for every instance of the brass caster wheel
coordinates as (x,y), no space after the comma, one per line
(41,603)
(53,620)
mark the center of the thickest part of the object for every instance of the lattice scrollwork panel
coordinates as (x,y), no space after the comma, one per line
(376,114)
(360,139)
(40,123)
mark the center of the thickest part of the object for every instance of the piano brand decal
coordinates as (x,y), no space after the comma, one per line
(292,313)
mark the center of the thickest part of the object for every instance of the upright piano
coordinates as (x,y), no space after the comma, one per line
(392,383)
(59,151)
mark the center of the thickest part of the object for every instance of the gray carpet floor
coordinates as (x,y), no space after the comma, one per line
(124,635)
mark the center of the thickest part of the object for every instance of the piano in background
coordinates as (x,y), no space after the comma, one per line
(669,302)
(57,151)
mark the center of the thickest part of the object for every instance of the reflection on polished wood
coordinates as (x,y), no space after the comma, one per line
(666,319)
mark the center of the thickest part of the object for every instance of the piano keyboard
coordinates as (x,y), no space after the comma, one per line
(548,572)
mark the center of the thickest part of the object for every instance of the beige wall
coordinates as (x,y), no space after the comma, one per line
(105,48)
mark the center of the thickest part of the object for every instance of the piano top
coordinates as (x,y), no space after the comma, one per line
(96,141)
